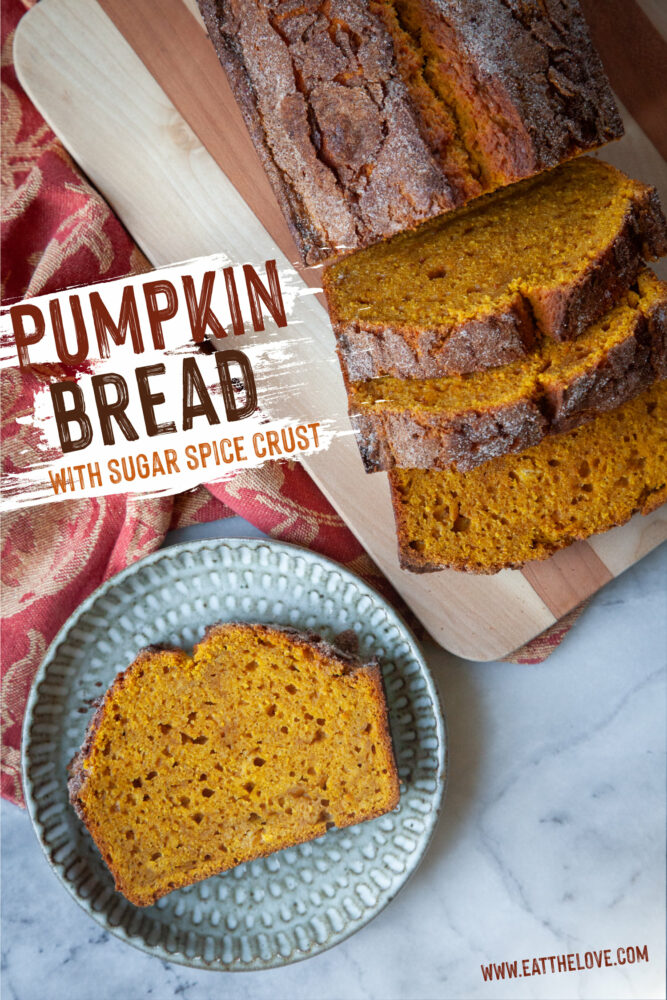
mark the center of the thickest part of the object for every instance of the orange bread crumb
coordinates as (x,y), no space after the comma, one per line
(517,508)
(262,739)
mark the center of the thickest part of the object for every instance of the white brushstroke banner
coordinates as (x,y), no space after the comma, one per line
(156,383)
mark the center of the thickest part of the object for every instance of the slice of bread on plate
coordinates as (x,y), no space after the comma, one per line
(262,739)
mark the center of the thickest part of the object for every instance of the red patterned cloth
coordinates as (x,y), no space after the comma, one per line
(58,232)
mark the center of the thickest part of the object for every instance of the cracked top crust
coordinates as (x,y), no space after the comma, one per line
(330,118)
(541,55)
(363,132)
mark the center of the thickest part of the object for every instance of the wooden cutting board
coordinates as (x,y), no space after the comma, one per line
(137,95)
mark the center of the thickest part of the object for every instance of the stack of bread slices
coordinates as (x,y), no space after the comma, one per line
(507,362)
(504,347)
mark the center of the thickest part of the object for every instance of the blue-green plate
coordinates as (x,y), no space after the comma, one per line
(299,901)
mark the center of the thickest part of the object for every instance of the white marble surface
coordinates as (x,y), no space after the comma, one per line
(552,841)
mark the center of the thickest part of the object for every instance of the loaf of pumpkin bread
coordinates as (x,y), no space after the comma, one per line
(519,508)
(476,288)
(371,116)
(263,738)
(463,421)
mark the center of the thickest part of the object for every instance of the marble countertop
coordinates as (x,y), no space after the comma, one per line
(551,842)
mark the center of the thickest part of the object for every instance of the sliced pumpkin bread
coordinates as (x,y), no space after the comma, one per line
(477,287)
(519,508)
(263,738)
(463,421)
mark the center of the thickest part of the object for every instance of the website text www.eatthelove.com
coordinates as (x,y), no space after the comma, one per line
(606,958)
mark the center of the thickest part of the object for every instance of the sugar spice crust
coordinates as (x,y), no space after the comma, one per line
(528,69)
(263,738)
(371,116)
(330,119)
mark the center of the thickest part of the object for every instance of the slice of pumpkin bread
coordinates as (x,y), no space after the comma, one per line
(475,288)
(263,738)
(463,421)
(518,508)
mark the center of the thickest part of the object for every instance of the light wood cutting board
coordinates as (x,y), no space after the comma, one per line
(143,105)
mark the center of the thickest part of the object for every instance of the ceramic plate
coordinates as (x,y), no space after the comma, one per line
(299,901)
